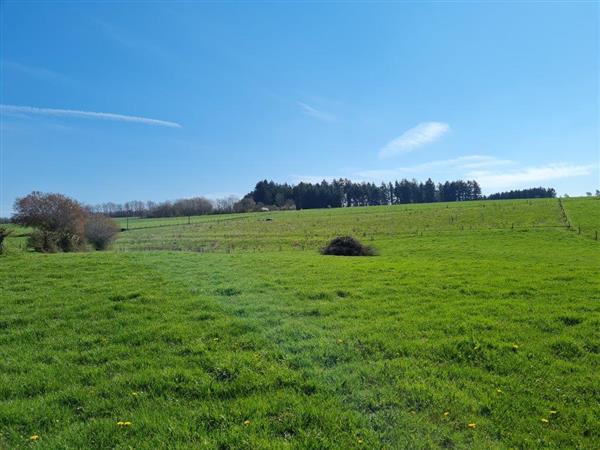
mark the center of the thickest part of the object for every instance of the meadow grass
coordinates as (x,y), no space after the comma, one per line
(288,348)
(584,215)
(132,223)
(309,229)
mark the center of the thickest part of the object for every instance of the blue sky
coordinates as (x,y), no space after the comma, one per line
(156,101)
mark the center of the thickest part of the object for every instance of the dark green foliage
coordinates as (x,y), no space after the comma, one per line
(228,291)
(347,246)
(343,192)
(538,192)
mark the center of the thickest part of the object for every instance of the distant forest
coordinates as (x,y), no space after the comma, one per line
(345,193)
(524,193)
(334,194)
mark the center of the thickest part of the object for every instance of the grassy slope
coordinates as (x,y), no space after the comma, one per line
(310,229)
(137,222)
(314,351)
(584,214)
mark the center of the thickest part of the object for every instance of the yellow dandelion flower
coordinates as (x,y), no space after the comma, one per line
(35,437)
(545,420)
(359,440)
(246,422)
(119,423)
(499,391)
(552,412)
(515,347)
(446,414)
(472,425)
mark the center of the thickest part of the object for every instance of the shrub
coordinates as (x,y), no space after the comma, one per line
(4,232)
(244,205)
(347,246)
(52,242)
(100,231)
(59,221)
(50,212)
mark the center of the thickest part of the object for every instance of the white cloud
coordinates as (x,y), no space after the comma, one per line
(431,167)
(528,175)
(313,112)
(19,110)
(423,133)
(491,173)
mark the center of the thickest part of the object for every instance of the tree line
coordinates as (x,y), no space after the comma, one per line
(538,192)
(346,193)
(335,194)
(195,206)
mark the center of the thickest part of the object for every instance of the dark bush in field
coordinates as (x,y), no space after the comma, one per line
(50,242)
(59,221)
(100,231)
(347,246)
(50,212)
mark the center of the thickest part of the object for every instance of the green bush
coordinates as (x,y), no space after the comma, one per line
(100,231)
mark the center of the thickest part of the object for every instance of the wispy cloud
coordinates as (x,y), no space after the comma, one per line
(428,168)
(128,40)
(313,112)
(423,133)
(528,175)
(492,173)
(33,71)
(28,110)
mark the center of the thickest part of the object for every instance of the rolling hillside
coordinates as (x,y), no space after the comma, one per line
(477,326)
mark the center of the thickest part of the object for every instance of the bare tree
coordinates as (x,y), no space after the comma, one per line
(60,220)
(100,231)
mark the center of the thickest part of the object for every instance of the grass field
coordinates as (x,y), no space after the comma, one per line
(584,214)
(481,313)
(309,229)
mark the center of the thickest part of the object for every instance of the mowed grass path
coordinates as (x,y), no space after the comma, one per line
(295,349)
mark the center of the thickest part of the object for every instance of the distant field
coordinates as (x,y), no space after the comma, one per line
(311,228)
(481,313)
(584,214)
(133,223)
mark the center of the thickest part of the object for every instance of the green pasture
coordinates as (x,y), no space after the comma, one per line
(309,229)
(476,326)
(584,215)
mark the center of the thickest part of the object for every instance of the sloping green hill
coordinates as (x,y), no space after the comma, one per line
(584,214)
(473,334)
(312,228)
